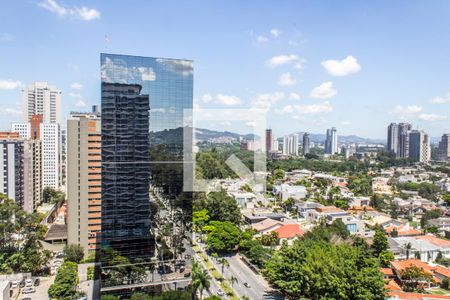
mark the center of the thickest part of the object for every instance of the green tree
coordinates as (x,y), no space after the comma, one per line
(429,215)
(269,239)
(199,219)
(385,258)
(412,276)
(74,253)
(20,235)
(321,270)
(200,280)
(66,282)
(222,236)
(380,241)
(222,207)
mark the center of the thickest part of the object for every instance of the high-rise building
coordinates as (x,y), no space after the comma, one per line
(293,144)
(290,144)
(331,141)
(419,146)
(43,99)
(444,148)
(84,180)
(269,140)
(17,165)
(403,140)
(143,105)
(49,135)
(392,138)
(305,149)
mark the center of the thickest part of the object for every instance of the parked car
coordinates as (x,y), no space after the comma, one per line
(28,290)
(220,292)
(22,283)
(28,282)
(37,282)
(26,298)
(246,284)
(14,284)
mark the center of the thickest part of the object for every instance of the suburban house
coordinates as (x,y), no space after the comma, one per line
(288,233)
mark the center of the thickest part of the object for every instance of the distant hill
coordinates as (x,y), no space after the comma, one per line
(320,138)
(202,134)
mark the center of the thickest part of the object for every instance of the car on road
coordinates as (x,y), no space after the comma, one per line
(36,282)
(28,282)
(220,292)
(28,290)
(26,298)
(246,284)
(14,284)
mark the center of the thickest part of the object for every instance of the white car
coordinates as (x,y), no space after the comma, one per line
(14,284)
(28,290)
(28,282)
(220,292)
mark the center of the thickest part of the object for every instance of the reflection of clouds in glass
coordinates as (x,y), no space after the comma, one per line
(118,71)
(172,109)
(158,110)
(182,67)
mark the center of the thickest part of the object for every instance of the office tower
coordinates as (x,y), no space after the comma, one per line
(84,180)
(286,145)
(49,135)
(269,140)
(331,145)
(444,148)
(305,149)
(392,138)
(143,105)
(403,140)
(40,98)
(276,145)
(419,146)
(293,144)
(16,166)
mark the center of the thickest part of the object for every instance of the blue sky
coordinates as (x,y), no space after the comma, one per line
(356,65)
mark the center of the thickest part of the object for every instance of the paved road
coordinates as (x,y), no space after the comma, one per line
(215,286)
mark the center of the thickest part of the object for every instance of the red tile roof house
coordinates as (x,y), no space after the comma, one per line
(399,295)
(438,272)
(289,233)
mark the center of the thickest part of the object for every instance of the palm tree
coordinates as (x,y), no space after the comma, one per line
(233,280)
(408,248)
(224,262)
(200,280)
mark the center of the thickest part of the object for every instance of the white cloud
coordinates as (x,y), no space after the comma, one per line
(9,84)
(83,12)
(275,32)
(441,99)
(308,109)
(80,99)
(279,60)
(207,98)
(406,112)
(147,74)
(227,99)
(80,103)
(250,124)
(432,117)
(265,101)
(324,91)
(6,37)
(299,64)
(76,86)
(346,123)
(262,39)
(347,66)
(226,123)
(10,111)
(178,66)
(294,96)
(286,79)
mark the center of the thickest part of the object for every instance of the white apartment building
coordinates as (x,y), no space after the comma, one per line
(51,144)
(290,144)
(40,98)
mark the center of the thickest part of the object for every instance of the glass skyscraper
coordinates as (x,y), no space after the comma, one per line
(145,213)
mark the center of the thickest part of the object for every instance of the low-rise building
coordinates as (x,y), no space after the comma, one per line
(442,224)
(244,200)
(296,192)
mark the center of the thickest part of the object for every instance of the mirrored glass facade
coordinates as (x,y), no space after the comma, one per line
(146,216)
